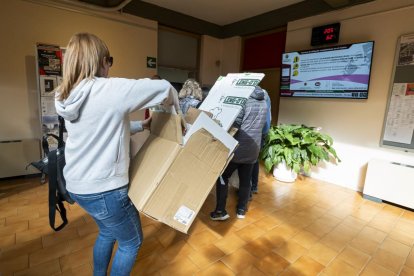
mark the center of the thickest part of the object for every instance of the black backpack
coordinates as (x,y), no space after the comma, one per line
(52,165)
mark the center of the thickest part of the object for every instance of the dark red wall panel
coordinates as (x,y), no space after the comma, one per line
(264,51)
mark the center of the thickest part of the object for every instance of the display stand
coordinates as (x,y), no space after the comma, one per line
(49,75)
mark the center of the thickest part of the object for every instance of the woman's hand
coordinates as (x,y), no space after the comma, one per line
(146,124)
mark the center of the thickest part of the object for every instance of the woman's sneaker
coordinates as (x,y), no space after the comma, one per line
(241,213)
(219,215)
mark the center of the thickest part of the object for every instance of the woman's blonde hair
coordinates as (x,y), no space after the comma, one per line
(83,59)
(191,88)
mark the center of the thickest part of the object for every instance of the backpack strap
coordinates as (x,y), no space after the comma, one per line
(55,202)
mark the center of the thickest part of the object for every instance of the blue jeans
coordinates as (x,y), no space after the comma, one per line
(118,220)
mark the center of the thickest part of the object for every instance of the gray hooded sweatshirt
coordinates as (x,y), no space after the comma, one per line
(97,121)
(250,122)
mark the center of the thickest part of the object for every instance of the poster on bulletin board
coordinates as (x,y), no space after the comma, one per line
(398,129)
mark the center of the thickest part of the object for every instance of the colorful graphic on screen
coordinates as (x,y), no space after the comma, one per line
(334,72)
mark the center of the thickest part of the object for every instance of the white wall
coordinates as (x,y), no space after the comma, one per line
(24,23)
(355,125)
(218,57)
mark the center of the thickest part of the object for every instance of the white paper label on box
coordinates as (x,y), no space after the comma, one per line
(184,215)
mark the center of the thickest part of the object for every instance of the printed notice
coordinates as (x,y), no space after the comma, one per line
(48,106)
(47,86)
(406,55)
(184,215)
(399,126)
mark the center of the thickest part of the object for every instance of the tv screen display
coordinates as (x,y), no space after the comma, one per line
(335,72)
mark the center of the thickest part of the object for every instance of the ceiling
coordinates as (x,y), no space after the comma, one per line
(222,12)
(224,18)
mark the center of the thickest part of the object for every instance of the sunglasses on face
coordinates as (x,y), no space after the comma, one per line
(110,60)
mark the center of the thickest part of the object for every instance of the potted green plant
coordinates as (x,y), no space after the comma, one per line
(296,147)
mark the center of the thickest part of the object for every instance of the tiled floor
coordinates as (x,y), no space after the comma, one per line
(303,228)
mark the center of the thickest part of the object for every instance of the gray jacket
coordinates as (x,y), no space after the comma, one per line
(250,122)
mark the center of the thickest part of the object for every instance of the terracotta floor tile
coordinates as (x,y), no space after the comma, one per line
(239,260)
(149,246)
(250,232)
(322,253)
(354,257)
(181,267)
(83,270)
(7,241)
(8,211)
(39,222)
(286,231)
(21,249)
(267,223)
(407,271)
(88,228)
(201,239)
(49,268)
(49,253)
(259,247)
(14,228)
(273,238)
(22,217)
(339,267)
(396,247)
(32,234)
(82,242)
(365,213)
(382,224)
(205,256)
(272,264)
(373,234)
(166,237)
(305,239)
(59,237)
(179,249)
(404,237)
(14,263)
(290,250)
(305,266)
(76,259)
(229,244)
(365,245)
(374,269)
(388,260)
(217,268)
(318,229)
(149,265)
(335,241)
(250,271)
(410,259)
(151,231)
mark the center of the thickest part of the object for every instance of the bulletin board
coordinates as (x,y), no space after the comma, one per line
(49,60)
(398,129)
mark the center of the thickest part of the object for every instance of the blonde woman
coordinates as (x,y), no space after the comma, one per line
(95,109)
(190,95)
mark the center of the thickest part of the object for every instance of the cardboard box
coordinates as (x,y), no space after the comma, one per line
(228,95)
(170,179)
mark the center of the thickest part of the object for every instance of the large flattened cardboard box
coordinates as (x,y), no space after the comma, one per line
(170,181)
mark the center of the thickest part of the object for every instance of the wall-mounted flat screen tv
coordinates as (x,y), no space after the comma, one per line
(335,72)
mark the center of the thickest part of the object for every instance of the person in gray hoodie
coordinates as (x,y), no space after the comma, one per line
(249,122)
(96,112)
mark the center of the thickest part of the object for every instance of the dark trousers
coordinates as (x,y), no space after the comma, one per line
(255,175)
(245,174)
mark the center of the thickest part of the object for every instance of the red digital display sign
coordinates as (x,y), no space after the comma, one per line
(325,34)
